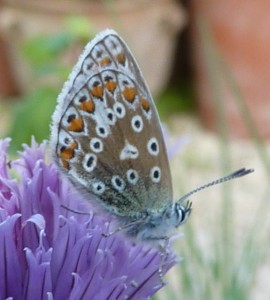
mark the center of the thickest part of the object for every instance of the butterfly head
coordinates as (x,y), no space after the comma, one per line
(181,213)
(159,225)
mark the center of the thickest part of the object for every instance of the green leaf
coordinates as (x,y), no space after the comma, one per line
(32,117)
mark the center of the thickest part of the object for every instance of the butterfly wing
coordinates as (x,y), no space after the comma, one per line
(106,132)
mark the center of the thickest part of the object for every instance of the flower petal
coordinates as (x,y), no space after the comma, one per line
(10,270)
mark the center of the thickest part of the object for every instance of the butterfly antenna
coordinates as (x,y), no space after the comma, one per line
(236,174)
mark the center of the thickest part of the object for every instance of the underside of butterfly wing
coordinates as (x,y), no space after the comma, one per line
(106,132)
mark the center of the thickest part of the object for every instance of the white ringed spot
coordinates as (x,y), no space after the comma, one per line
(90,162)
(111,117)
(155,174)
(153,146)
(98,187)
(132,176)
(137,123)
(118,183)
(119,110)
(96,145)
(102,131)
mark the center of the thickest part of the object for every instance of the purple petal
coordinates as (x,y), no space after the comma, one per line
(10,271)
(50,252)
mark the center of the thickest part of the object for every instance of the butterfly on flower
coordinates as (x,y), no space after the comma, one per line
(107,138)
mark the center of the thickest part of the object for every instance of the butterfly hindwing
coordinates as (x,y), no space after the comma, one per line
(106,131)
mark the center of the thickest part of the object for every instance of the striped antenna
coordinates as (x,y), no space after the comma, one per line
(236,174)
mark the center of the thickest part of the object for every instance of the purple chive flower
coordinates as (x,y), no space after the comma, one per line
(49,252)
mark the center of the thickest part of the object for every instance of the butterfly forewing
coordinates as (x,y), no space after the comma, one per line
(106,131)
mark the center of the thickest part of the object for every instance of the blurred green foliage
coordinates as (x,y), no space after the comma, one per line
(174,101)
(44,54)
(224,266)
(32,113)
(32,117)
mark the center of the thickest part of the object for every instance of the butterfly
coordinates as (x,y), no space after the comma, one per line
(107,138)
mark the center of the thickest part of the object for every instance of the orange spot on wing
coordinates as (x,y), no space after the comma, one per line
(73,145)
(110,85)
(105,61)
(145,104)
(121,58)
(68,152)
(129,93)
(88,106)
(97,91)
(76,125)
(65,164)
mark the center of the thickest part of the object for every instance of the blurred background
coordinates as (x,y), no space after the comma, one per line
(207,64)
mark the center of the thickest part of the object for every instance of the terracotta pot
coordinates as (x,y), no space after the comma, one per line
(241,34)
(8,84)
(149,27)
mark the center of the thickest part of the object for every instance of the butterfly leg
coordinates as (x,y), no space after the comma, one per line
(164,252)
(75,211)
(121,228)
